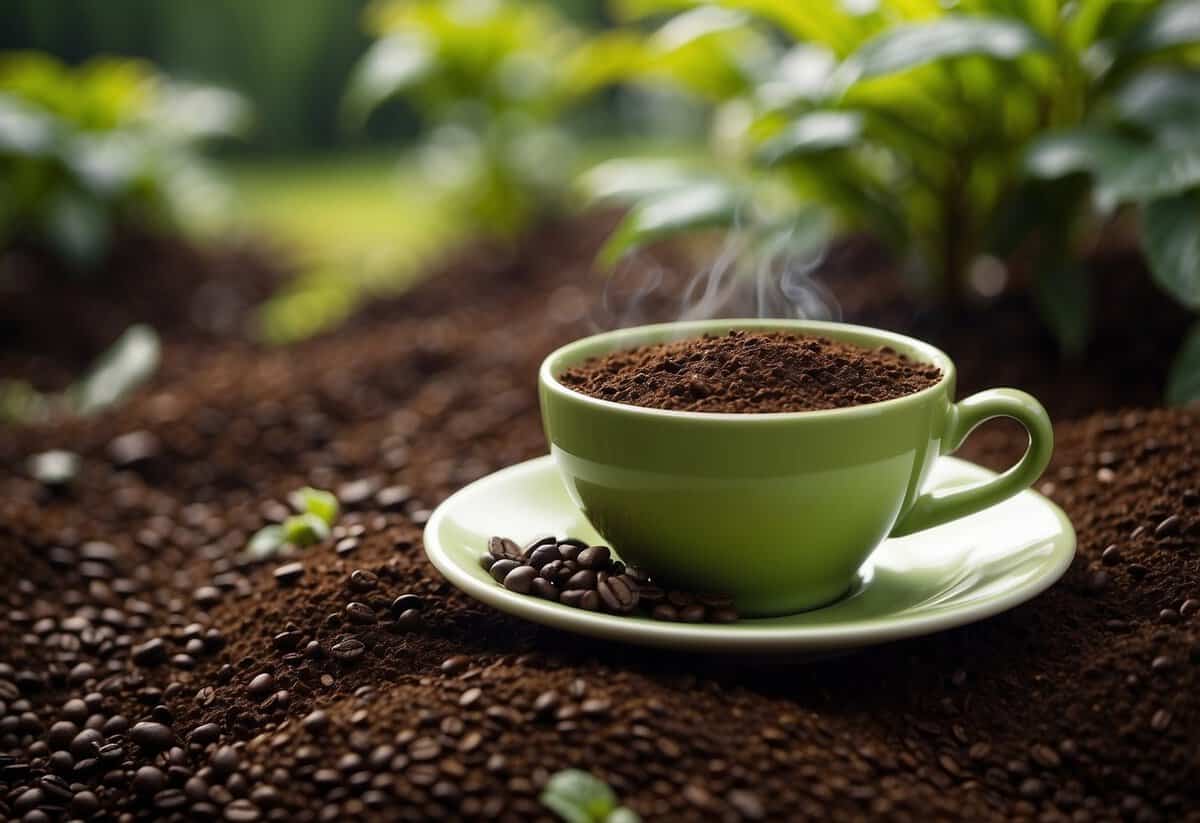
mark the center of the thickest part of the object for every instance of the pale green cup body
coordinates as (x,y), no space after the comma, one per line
(777,510)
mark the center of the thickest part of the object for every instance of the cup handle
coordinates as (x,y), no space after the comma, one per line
(941,506)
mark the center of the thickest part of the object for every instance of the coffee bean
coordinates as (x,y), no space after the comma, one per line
(692,613)
(315,722)
(153,737)
(536,543)
(596,558)
(150,653)
(1169,527)
(360,613)
(1111,555)
(224,761)
(408,620)
(501,568)
(345,546)
(722,615)
(520,579)
(148,781)
(582,579)
(289,573)
(1161,720)
(393,498)
(455,665)
(543,555)
(260,684)
(544,589)
(486,561)
(407,601)
(1168,616)
(347,650)
(664,611)
(362,580)
(205,734)
(1190,606)
(618,593)
(501,548)
(242,811)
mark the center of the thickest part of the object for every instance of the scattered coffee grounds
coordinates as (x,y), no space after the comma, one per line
(571,572)
(749,372)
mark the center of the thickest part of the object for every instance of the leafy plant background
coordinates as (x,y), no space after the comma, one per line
(1012,130)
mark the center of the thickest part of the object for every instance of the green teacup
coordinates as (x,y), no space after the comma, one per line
(777,510)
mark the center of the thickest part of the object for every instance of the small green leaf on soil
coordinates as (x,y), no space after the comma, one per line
(266,543)
(323,504)
(305,529)
(579,797)
(119,371)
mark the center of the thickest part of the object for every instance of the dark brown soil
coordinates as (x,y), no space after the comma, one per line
(1082,704)
(55,322)
(745,373)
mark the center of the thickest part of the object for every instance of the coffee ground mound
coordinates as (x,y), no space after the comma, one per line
(751,372)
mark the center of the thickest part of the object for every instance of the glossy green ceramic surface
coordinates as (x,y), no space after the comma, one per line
(778,510)
(957,573)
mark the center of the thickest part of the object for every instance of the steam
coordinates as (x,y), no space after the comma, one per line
(775,279)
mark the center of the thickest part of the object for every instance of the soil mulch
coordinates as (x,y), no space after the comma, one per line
(148,670)
(55,322)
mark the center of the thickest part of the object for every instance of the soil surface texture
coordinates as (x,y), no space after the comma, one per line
(745,372)
(149,670)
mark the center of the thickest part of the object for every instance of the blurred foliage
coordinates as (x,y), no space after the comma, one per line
(289,59)
(492,82)
(121,370)
(85,150)
(951,131)
(358,226)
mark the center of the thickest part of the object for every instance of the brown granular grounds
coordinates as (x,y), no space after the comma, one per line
(125,601)
(751,372)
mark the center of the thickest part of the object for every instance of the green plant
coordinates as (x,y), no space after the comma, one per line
(994,127)
(85,150)
(579,797)
(492,81)
(125,366)
(316,513)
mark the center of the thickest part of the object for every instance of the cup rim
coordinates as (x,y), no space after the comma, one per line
(931,353)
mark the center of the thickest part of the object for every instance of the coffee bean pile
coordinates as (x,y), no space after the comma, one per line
(1082,704)
(571,572)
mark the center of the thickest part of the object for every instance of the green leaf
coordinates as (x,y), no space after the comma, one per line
(578,797)
(803,74)
(1063,297)
(78,228)
(305,529)
(811,133)
(1183,381)
(630,179)
(1082,150)
(698,206)
(906,46)
(1154,172)
(1170,25)
(391,66)
(24,130)
(265,543)
(1166,103)
(1170,229)
(316,501)
(124,367)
